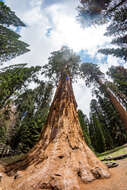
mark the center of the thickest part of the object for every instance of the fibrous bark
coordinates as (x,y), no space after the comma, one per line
(61,160)
(119,108)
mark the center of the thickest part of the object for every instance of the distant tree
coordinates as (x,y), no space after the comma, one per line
(91,73)
(32,109)
(119,76)
(13,78)
(119,85)
(99,134)
(113,122)
(106,128)
(84,122)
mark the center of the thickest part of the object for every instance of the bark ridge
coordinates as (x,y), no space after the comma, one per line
(61,160)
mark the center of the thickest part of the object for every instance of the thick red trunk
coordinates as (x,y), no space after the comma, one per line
(119,108)
(61,160)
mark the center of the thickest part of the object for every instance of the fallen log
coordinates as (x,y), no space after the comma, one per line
(115,158)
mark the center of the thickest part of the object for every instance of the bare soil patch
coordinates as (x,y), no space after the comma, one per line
(117,181)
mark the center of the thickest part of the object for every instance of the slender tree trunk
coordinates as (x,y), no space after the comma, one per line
(119,108)
(61,160)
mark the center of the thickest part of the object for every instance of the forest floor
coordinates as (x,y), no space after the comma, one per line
(117,181)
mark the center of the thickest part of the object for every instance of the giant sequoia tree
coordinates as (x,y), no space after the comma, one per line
(91,73)
(61,159)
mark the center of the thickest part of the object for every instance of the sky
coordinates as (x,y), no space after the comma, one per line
(52,24)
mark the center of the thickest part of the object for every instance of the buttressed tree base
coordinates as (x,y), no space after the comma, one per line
(61,160)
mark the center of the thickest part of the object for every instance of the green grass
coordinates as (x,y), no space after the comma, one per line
(114,152)
(11,159)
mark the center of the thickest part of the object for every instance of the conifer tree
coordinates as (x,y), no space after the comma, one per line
(119,85)
(99,133)
(84,122)
(114,124)
(91,73)
(118,52)
(8,17)
(13,81)
(32,108)
(10,45)
(13,78)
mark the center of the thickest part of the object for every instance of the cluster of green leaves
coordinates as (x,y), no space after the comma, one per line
(10,45)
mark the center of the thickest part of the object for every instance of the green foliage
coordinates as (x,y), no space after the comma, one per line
(106,129)
(119,84)
(90,72)
(100,136)
(105,125)
(119,76)
(120,41)
(118,27)
(10,45)
(84,123)
(32,110)
(114,124)
(8,17)
(13,79)
(118,52)
(62,62)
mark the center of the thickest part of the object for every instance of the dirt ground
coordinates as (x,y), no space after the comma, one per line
(117,181)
